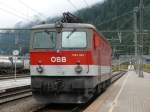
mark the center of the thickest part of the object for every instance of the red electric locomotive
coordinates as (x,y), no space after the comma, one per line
(70,62)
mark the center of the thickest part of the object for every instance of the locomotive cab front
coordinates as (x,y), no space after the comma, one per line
(63,69)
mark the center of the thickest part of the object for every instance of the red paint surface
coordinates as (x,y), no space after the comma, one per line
(71,57)
(101,50)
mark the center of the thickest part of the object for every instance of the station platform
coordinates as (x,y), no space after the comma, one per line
(129,94)
(12,83)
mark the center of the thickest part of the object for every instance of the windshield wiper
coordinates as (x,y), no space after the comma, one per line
(46,31)
(51,35)
(71,33)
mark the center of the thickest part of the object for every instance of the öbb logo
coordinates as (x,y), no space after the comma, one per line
(58,59)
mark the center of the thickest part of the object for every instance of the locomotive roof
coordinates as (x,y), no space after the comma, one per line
(65,25)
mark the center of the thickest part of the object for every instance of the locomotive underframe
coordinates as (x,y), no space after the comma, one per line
(64,89)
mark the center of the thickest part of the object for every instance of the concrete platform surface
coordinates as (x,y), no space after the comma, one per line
(11,83)
(128,94)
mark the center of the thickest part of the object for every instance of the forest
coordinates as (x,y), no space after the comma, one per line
(113,18)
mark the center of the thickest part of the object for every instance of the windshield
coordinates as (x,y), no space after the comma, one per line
(75,40)
(44,39)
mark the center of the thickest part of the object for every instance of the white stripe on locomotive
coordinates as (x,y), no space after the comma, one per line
(68,70)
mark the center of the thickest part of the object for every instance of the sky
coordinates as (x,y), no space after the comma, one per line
(24,11)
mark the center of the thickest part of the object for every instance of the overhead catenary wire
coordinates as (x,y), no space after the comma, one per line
(126,22)
(115,18)
(146,12)
(12,9)
(35,11)
(14,14)
(86,3)
(72,5)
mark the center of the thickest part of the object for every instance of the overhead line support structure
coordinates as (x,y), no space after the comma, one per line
(135,10)
(141,6)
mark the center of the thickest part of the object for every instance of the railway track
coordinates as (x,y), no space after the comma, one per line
(58,108)
(14,94)
(64,107)
(116,76)
(4,77)
(73,108)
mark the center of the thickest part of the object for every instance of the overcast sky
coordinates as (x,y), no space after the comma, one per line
(13,11)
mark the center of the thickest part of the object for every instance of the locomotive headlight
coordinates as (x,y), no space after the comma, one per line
(40,69)
(78,69)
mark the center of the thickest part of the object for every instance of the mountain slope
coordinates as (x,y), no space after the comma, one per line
(111,15)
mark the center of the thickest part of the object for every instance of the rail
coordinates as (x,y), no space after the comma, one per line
(14,94)
(4,77)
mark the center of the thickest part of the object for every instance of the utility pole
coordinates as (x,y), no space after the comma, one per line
(135,10)
(141,39)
